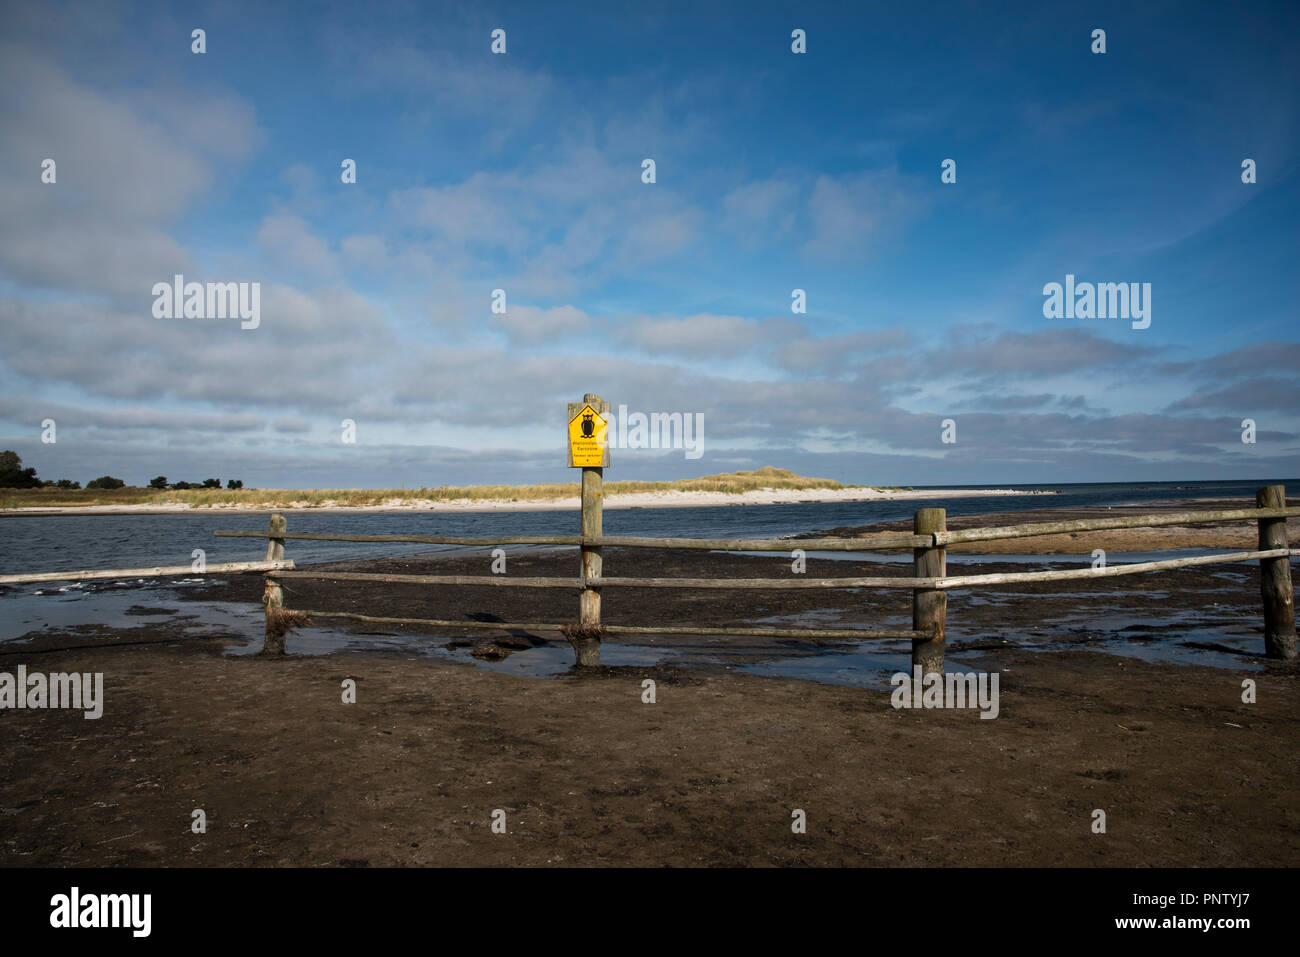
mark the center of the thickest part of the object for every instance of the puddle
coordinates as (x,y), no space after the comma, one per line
(862,667)
(56,607)
(1217,636)
(1227,635)
(555,659)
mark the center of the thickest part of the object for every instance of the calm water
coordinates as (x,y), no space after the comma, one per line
(72,542)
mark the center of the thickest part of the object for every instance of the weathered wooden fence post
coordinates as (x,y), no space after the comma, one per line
(273,597)
(589,449)
(929,605)
(1275,578)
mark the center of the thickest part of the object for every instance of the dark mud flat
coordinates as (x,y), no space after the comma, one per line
(707,775)
(587,774)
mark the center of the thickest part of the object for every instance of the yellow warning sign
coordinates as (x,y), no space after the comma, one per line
(587,431)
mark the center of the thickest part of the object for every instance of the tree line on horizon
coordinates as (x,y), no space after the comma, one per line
(13,475)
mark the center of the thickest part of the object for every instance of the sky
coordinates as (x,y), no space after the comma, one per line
(924,356)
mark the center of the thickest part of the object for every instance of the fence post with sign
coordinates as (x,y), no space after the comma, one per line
(589,451)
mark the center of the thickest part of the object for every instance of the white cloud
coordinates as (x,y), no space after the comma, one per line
(762,211)
(289,239)
(834,353)
(698,336)
(127,170)
(531,324)
(853,215)
(315,352)
(661,236)
(483,210)
(365,250)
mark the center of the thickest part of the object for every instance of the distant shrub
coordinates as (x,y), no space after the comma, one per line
(105,481)
(13,475)
(159,482)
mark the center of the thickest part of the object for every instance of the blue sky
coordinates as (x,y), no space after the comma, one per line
(774,171)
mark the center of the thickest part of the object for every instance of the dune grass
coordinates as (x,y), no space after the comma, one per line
(734,483)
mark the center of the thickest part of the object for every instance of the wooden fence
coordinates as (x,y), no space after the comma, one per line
(929,582)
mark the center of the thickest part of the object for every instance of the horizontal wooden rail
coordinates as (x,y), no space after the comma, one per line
(773,583)
(440,622)
(1033,529)
(498,580)
(865,544)
(517,582)
(1135,568)
(423,539)
(831,633)
(156,572)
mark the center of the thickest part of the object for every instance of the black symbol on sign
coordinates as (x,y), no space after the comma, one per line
(588,426)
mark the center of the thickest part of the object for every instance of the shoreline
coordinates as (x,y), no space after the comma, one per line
(664,499)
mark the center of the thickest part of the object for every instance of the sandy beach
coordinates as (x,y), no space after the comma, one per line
(666,499)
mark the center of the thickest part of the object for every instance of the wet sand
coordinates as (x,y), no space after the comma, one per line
(589,775)
(709,774)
